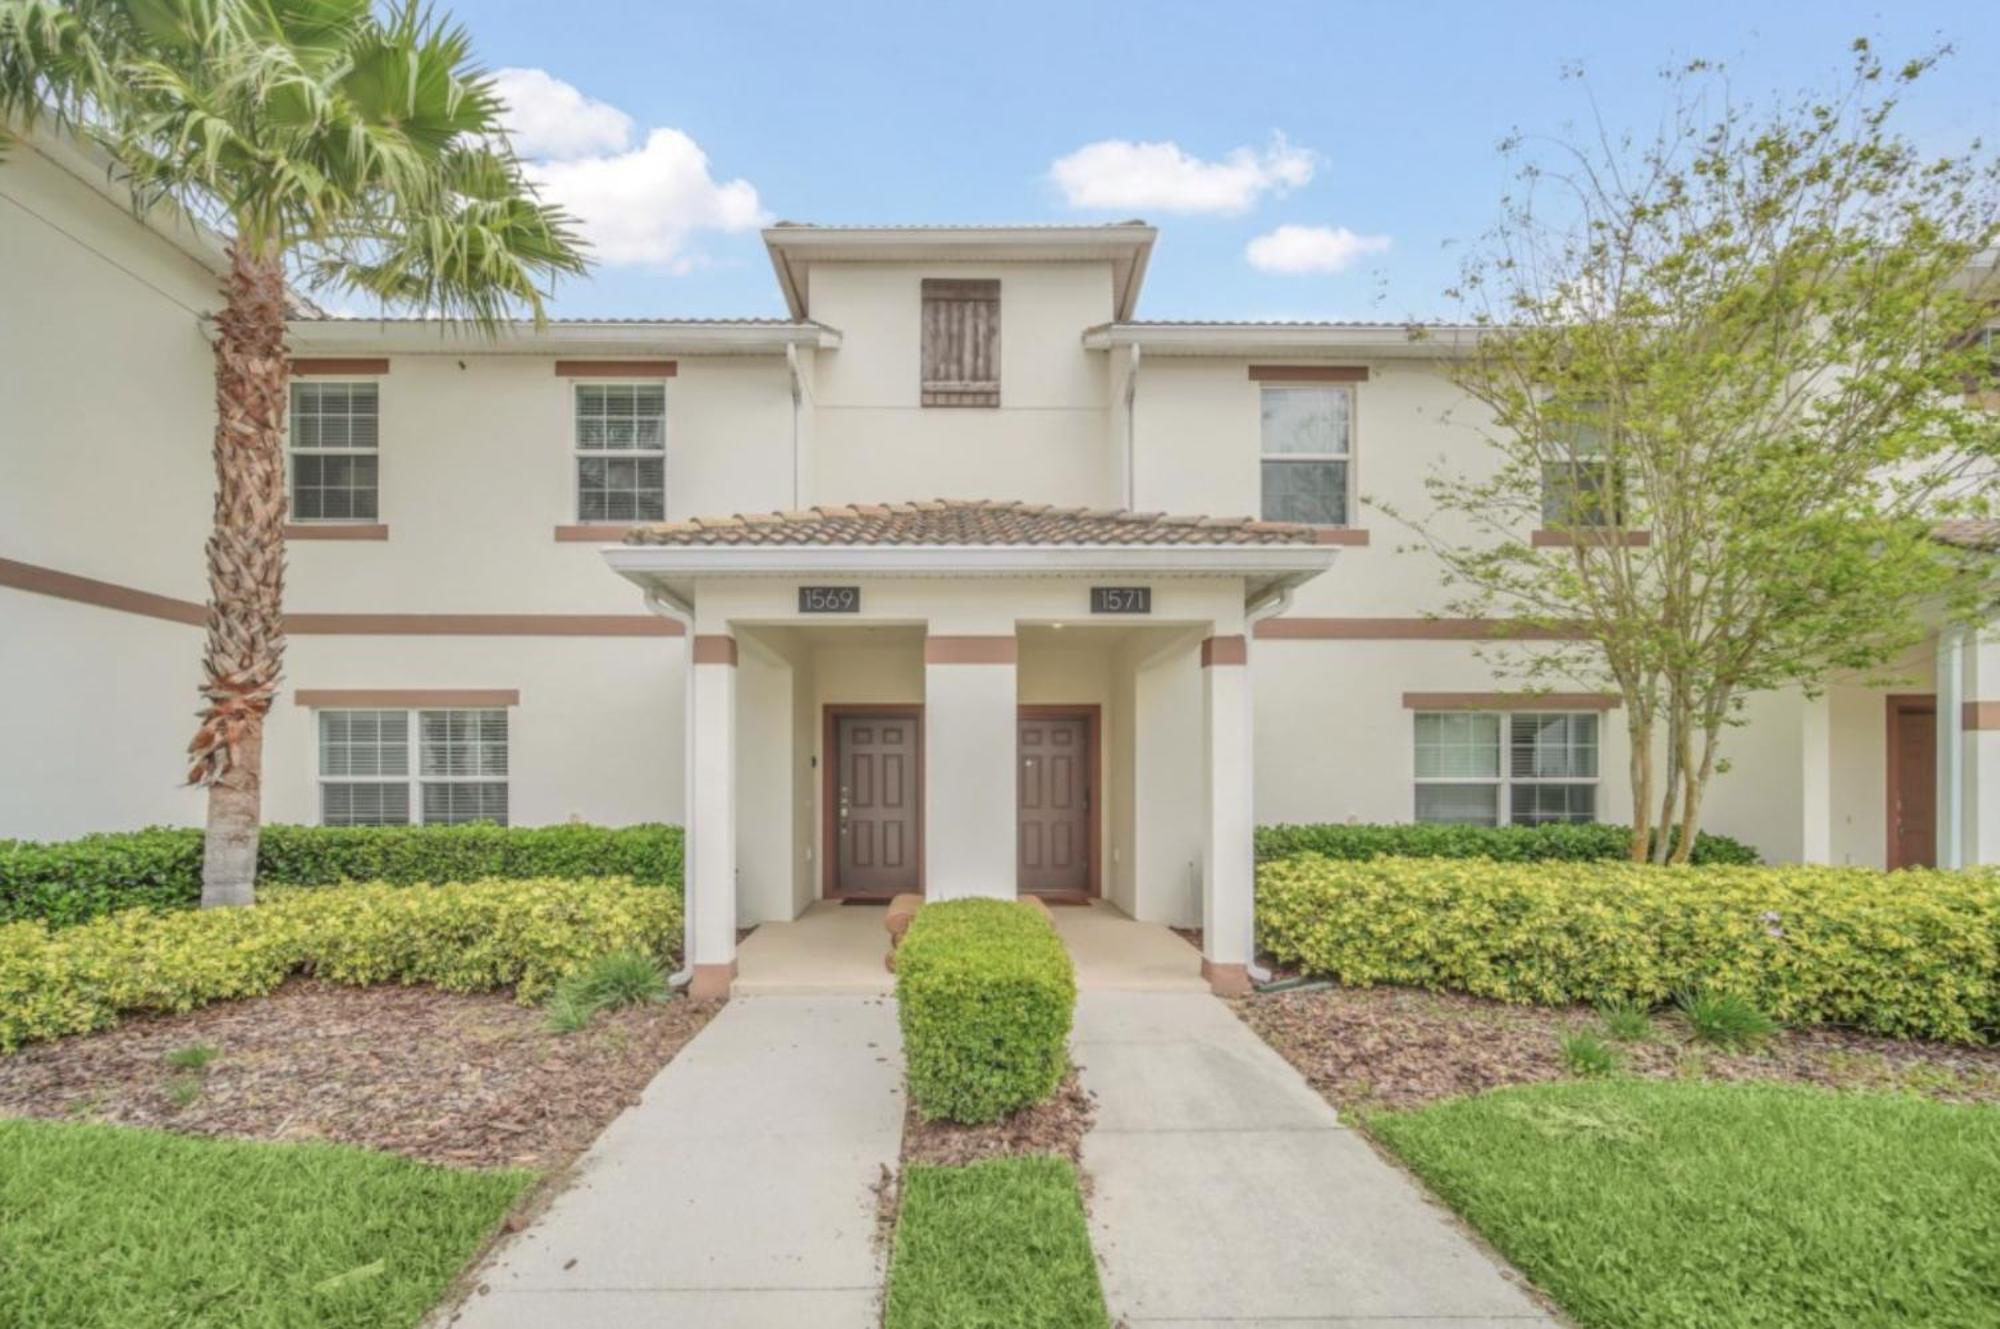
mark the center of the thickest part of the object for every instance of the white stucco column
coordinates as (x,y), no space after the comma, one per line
(711,802)
(1979,718)
(1228,870)
(1950,748)
(970,810)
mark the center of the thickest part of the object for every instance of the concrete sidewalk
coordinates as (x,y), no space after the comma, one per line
(1227,1192)
(738,1194)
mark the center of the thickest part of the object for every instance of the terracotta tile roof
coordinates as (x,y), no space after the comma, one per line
(958,522)
(1969,532)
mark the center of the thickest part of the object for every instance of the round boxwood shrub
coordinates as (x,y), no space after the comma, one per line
(985,993)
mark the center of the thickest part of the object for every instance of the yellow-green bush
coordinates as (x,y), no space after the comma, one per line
(1910,954)
(984,993)
(473,937)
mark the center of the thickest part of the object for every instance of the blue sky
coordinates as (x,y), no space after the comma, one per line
(1367,128)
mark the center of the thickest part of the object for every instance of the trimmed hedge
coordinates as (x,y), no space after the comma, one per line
(69,881)
(464,938)
(985,993)
(1556,842)
(1908,954)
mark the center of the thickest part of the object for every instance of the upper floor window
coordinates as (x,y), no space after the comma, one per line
(621,452)
(366,777)
(1579,478)
(1523,768)
(961,342)
(1308,453)
(335,460)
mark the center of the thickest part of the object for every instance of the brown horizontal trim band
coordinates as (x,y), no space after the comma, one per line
(1509,701)
(971,650)
(595,533)
(714,648)
(1339,535)
(481,625)
(1980,715)
(103,594)
(1309,373)
(1405,629)
(616,369)
(1229,650)
(336,531)
(124,599)
(1570,539)
(410,698)
(350,365)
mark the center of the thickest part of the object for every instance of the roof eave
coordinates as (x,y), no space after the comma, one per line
(1287,340)
(1265,568)
(588,338)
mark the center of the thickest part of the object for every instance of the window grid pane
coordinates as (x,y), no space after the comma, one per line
(621,439)
(336,429)
(1314,492)
(1316,421)
(1550,773)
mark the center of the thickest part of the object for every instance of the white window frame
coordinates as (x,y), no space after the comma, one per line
(578,453)
(1346,459)
(414,777)
(1505,780)
(293,450)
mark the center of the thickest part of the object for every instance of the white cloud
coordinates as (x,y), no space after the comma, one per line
(635,205)
(1311,249)
(547,118)
(1161,177)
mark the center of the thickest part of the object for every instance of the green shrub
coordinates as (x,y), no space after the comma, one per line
(1558,842)
(474,937)
(1725,1020)
(69,881)
(985,992)
(1908,954)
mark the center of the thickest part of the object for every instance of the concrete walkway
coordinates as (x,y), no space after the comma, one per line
(1228,1193)
(738,1194)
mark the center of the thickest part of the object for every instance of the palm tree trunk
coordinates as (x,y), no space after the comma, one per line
(246,573)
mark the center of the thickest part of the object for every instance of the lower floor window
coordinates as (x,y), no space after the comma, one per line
(366,777)
(1520,768)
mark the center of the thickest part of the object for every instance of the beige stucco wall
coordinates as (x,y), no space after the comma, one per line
(1047,442)
(105,418)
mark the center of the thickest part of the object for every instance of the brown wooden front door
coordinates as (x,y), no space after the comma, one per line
(1057,844)
(1912,782)
(876,801)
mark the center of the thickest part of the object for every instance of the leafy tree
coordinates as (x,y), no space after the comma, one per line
(332,144)
(1722,375)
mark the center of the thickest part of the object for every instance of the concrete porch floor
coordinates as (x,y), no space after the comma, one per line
(833,947)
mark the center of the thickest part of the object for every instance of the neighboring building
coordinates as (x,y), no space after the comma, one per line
(1026,687)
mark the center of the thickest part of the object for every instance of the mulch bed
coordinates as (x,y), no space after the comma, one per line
(449,1078)
(1399,1048)
(1054,1127)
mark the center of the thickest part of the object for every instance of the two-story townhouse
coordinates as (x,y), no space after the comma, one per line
(960,578)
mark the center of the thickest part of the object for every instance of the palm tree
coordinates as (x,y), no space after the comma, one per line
(332,144)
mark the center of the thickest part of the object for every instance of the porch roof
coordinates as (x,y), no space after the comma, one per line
(970,538)
(981,522)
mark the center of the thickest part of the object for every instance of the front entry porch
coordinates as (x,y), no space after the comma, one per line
(833,947)
(968,700)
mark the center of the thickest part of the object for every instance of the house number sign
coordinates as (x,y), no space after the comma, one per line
(1121,599)
(829,599)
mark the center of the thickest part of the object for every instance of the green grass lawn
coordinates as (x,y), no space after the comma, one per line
(105,1227)
(997,1245)
(1642,1204)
